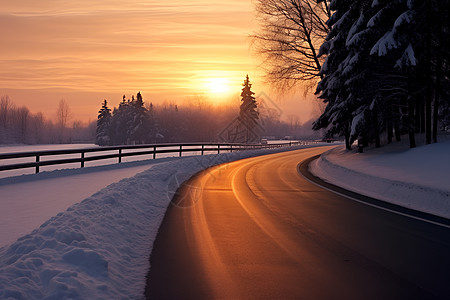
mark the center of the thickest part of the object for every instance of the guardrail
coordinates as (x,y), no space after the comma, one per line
(149,149)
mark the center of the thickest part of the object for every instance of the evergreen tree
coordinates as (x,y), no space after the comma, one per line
(103,125)
(248,113)
(139,127)
(119,123)
(385,67)
(337,117)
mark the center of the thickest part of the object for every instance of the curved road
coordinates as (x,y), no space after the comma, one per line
(256,229)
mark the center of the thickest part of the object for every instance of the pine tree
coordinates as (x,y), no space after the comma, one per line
(139,127)
(103,125)
(120,123)
(337,117)
(384,56)
(248,113)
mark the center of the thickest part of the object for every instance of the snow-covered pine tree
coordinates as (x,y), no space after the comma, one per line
(416,44)
(337,117)
(248,113)
(102,137)
(395,48)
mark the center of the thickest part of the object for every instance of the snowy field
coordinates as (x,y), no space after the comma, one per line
(414,178)
(99,247)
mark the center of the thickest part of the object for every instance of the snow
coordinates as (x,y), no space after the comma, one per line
(383,45)
(33,199)
(413,178)
(408,58)
(99,247)
(355,123)
(351,39)
(405,17)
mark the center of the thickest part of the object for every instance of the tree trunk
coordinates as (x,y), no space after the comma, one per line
(437,87)
(389,125)
(411,127)
(347,140)
(376,128)
(398,136)
(428,79)
(419,118)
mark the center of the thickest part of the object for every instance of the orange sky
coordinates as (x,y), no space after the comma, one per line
(85,51)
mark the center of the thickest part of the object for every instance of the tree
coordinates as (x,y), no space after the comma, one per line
(119,123)
(385,61)
(103,125)
(6,106)
(248,114)
(62,119)
(337,116)
(22,119)
(62,113)
(139,130)
(291,34)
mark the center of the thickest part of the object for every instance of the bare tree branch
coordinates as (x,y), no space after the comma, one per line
(291,32)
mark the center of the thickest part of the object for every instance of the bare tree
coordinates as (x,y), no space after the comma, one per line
(22,120)
(5,108)
(62,119)
(62,114)
(291,34)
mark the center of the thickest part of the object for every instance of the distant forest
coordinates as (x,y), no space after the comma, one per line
(137,122)
(20,126)
(196,121)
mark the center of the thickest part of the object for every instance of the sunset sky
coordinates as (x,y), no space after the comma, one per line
(85,51)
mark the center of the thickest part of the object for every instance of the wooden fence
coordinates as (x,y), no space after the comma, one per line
(123,151)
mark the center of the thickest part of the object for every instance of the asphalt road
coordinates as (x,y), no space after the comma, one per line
(257,229)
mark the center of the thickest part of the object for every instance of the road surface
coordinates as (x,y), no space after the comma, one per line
(256,229)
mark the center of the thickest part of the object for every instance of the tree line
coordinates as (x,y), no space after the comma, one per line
(18,125)
(196,120)
(137,122)
(381,66)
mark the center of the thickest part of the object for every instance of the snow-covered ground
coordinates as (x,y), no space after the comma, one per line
(99,247)
(28,201)
(416,178)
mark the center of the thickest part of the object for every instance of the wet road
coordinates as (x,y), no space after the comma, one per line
(256,229)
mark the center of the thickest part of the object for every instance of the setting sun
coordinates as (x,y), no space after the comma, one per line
(217,85)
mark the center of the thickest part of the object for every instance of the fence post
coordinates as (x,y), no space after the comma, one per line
(82,159)
(231,148)
(218,149)
(203,148)
(120,155)
(154,152)
(37,163)
(181,149)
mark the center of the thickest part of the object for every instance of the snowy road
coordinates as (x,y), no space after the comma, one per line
(256,229)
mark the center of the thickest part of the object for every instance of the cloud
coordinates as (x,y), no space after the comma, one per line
(113,45)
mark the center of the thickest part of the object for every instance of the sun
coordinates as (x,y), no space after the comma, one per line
(217,85)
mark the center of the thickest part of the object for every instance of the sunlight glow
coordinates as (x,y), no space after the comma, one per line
(217,86)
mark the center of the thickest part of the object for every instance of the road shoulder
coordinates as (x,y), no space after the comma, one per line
(303,169)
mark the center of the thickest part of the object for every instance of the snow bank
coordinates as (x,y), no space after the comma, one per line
(99,248)
(413,178)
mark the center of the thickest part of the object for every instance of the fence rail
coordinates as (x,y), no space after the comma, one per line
(150,149)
